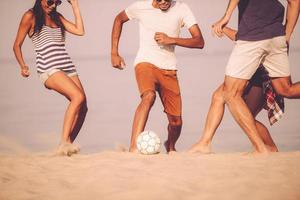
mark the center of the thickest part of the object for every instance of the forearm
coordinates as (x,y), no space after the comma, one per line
(230,33)
(196,42)
(18,55)
(115,36)
(78,18)
(292,17)
(230,8)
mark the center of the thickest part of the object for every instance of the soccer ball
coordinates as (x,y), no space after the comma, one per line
(148,143)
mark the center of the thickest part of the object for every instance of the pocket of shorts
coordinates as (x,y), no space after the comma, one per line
(170,73)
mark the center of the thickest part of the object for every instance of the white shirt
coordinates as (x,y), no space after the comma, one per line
(152,20)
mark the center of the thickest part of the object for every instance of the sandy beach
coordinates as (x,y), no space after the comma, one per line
(31,122)
(125,176)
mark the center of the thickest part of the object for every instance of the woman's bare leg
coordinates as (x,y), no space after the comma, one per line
(80,117)
(65,85)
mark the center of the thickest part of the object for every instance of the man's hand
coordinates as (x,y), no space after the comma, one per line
(117,61)
(163,39)
(217,27)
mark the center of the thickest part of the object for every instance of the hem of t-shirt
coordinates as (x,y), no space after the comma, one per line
(174,68)
(255,38)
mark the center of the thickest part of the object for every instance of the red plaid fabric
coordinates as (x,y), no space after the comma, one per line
(274,103)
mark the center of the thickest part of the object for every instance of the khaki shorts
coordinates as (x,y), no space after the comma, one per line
(44,76)
(247,56)
(165,82)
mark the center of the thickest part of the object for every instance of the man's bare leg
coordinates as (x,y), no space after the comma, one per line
(266,137)
(213,120)
(233,90)
(174,130)
(284,87)
(141,117)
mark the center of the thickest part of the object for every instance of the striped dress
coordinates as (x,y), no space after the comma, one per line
(49,45)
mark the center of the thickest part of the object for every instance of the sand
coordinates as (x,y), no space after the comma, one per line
(121,175)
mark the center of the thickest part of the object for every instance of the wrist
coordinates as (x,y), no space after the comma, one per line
(227,16)
(24,66)
(173,41)
(114,53)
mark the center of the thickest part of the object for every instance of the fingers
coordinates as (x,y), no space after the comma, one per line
(123,64)
(118,63)
(160,37)
(25,73)
(217,29)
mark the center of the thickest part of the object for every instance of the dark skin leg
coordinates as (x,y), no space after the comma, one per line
(284,87)
(174,130)
(255,101)
(141,117)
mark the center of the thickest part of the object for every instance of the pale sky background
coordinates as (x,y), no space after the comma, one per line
(98,18)
(31,116)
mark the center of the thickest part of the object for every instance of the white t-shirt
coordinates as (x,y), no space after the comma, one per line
(152,20)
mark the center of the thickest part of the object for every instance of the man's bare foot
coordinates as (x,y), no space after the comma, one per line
(257,153)
(133,150)
(170,150)
(200,148)
(272,149)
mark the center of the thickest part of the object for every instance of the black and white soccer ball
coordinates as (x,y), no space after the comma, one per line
(148,143)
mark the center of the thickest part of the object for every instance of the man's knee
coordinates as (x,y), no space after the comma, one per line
(84,109)
(175,121)
(285,91)
(148,98)
(283,86)
(218,96)
(233,91)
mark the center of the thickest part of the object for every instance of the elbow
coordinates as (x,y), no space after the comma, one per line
(81,33)
(200,43)
(16,47)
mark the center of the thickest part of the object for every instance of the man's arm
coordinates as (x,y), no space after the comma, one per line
(230,33)
(291,17)
(196,41)
(116,60)
(218,26)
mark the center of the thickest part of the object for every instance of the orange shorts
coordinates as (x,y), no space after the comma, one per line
(165,82)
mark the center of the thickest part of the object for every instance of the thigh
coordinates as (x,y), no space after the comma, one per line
(145,77)
(245,59)
(169,92)
(254,99)
(282,84)
(62,84)
(77,81)
(234,86)
(277,62)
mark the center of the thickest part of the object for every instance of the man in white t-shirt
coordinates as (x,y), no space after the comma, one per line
(160,22)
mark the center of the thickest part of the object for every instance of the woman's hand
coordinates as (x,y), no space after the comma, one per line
(217,27)
(73,2)
(25,71)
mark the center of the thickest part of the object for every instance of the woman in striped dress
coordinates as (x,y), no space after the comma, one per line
(46,27)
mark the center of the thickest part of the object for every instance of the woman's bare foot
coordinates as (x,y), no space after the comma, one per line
(67,149)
